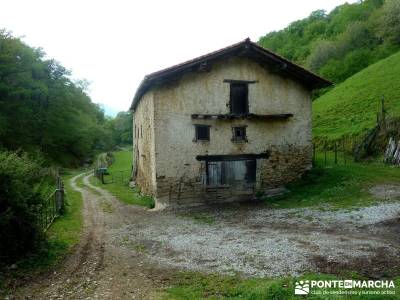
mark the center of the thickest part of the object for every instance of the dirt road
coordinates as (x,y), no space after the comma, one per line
(99,269)
(129,252)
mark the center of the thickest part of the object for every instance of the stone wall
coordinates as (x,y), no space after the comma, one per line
(191,191)
(285,164)
(143,146)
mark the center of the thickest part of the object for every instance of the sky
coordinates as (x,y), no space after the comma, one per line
(114,44)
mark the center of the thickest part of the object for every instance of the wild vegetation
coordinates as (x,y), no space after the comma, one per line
(47,121)
(50,247)
(338,44)
(23,190)
(356,46)
(121,128)
(43,110)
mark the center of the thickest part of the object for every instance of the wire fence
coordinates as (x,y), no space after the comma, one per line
(372,143)
(340,151)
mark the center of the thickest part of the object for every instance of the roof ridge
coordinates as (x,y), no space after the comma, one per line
(196,58)
(259,53)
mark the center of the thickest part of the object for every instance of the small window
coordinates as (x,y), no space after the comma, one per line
(239,104)
(239,133)
(202,132)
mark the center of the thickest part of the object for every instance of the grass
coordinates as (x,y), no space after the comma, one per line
(351,107)
(199,286)
(67,229)
(120,186)
(337,186)
(63,235)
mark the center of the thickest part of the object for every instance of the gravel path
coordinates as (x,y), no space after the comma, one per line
(258,241)
(129,252)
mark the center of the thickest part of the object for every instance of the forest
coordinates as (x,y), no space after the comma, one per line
(45,112)
(47,123)
(338,44)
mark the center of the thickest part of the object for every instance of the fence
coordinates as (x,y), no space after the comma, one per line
(52,206)
(371,143)
(121,176)
(340,151)
(392,154)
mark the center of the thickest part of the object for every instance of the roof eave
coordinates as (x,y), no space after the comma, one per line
(311,80)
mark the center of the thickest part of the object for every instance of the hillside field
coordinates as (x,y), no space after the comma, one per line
(350,108)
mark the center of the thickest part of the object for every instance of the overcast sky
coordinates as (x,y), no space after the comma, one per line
(113,44)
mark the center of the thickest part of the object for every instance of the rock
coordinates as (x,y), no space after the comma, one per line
(13,266)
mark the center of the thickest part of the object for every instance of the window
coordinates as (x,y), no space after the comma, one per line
(238,173)
(202,132)
(239,104)
(239,133)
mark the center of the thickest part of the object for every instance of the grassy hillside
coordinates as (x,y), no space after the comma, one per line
(351,107)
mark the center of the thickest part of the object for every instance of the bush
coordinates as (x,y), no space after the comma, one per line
(23,187)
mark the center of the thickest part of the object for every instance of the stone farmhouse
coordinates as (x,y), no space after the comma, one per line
(222,127)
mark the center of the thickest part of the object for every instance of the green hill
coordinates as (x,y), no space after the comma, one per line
(338,44)
(350,108)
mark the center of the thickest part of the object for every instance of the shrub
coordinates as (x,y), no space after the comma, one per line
(23,187)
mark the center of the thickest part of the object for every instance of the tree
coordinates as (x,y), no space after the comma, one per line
(389,22)
(22,181)
(122,128)
(321,54)
(364,31)
(42,108)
